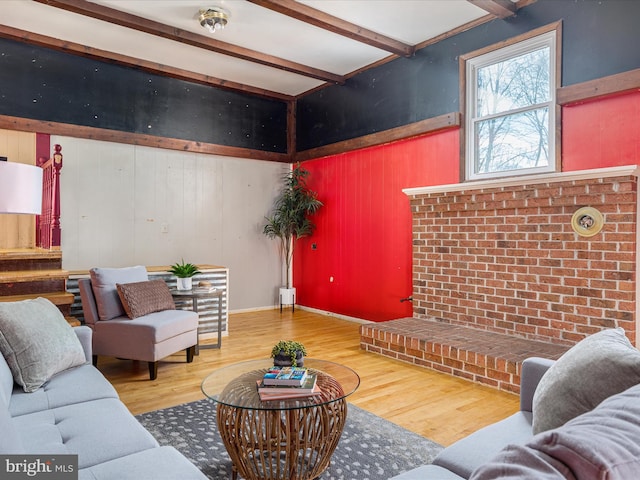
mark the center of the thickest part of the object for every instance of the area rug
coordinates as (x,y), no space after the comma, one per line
(371,448)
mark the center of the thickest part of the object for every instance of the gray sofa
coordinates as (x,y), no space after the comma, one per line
(77,411)
(579,419)
(459,460)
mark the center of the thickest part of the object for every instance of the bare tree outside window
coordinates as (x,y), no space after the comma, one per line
(511,109)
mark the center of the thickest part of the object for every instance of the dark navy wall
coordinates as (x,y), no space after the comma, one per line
(45,84)
(600,38)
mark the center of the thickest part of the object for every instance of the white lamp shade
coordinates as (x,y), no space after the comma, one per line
(20,188)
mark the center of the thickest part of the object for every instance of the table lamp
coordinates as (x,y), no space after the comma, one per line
(20,188)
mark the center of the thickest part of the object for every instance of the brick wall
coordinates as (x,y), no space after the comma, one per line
(503,257)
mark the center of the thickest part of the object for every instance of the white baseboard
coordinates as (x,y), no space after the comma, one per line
(301,307)
(336,315)
(252,309)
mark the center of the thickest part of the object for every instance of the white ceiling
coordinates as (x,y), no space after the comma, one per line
(252,27)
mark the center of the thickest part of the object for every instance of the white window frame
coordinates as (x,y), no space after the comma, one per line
(473,64)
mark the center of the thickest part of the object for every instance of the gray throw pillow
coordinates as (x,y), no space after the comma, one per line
(37,342)
(103,284)
(599,366)
(602,443)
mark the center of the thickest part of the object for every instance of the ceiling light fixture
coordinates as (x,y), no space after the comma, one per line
(213,18)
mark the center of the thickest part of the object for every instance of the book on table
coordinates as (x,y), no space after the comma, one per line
(204,289)
(283,392)
(285,376)
(288,395)
(307,386)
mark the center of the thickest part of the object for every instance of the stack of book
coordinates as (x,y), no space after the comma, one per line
(281,383)
(204,289)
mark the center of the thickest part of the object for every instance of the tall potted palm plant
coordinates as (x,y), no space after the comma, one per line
(290,221)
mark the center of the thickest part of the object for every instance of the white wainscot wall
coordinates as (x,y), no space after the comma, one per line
(126,205)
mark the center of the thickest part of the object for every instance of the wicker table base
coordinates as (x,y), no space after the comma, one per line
(289,438)
(281,444)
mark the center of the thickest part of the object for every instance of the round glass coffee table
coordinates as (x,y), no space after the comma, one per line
(280,439)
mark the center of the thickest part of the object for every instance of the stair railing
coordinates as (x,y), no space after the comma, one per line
(48,232)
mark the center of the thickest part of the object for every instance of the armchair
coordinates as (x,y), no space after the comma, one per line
(126,330)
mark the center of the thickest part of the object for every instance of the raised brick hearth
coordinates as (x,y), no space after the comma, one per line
(499,273)
(485,357)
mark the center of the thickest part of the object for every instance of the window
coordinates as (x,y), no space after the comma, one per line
(510,109)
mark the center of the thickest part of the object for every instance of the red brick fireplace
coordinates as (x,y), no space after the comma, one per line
(503,257)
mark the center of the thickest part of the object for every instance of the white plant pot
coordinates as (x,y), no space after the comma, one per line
(184,283)
(287,296)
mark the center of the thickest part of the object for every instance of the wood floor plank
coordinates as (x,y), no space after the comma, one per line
(437,406)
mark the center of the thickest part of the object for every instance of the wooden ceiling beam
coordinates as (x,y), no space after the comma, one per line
(323,20)
(117,17)
(499,8)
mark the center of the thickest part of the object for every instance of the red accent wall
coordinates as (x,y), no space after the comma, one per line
(363,239)
(601,133)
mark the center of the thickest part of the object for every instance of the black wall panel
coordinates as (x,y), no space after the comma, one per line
(600,38)
(45,84)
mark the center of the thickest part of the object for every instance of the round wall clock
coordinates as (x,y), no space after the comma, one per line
(587,221)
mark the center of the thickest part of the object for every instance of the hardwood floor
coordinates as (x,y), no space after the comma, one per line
(432,404)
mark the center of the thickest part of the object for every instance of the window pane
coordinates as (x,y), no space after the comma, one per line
(513,142)
(514,83)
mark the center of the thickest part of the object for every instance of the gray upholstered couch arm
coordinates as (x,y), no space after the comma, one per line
(533,369)
(84,334)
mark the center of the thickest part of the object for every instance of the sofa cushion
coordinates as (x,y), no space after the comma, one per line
(602,443)
(599,366)
(423,472)
(142,298)
(163,325)
(97,431)
(163,463)
(37,341)
(465,455)
(522,462)
(6,380)
(148,338)
(85,334)
(103,284)
(10,441)
(77,385)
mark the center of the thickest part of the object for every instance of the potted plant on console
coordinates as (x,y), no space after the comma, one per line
(290,221)
(184,273)
(288,353)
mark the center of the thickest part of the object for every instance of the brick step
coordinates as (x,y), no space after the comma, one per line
(490,358)
(30,259)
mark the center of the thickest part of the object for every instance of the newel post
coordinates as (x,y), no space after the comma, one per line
(55,225)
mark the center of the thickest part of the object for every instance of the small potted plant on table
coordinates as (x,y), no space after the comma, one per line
(184,273)
(288,353)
